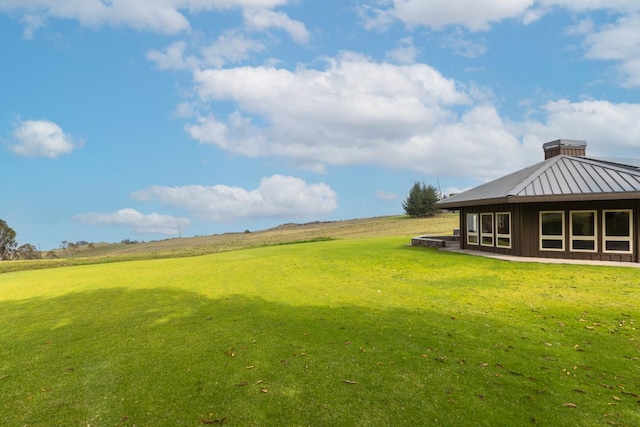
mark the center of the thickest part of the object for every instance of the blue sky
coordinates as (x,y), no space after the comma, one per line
(141,119)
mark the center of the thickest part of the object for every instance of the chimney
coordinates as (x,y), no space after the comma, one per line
(567,147)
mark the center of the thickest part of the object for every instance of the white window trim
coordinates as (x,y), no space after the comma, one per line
(503,236)
(593,238)
(549,237)
(483,235)
(606,238)
(477,232)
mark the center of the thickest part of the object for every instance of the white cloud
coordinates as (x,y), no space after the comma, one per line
(533,14)
(159,16)
(620,43)
(172,58)
(139,223)
(355,112)
(208,130)
(238,135)
(162,16)
(610,130)
(353,99)
(41,138)
(264,19)
(374,18)
(616,6)
(475,15)
(230,47)
(630,72)
(31,24)
(450,191)
(406,117)
(348,73)
(405,53)
(276,197)
(478,143)
(618,40)
(478,15)
(462,45)
(185,110)
(583,27)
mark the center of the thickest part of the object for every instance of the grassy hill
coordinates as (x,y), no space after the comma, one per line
(287,233)
(362,331)
(354,228)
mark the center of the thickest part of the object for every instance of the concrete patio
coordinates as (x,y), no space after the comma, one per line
(454,246)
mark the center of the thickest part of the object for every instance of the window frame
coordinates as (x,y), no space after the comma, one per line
(561,237)
(573,238)
(488,234)
(502,235)
(606,238)
(475,233)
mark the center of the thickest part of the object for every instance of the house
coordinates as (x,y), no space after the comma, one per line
(568,206)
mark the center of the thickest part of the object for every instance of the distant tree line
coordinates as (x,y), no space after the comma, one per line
(421,200)
(70,248)
(130,242)
(9,248)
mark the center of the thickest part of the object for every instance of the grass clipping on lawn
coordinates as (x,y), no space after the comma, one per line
(344,332)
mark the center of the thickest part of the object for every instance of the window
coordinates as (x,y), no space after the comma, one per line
(486,229)
(583,231)
(552,231)
(618,231)
(472,229)
(503,229)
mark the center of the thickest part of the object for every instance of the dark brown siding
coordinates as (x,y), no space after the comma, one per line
(531,229)
(525,218)
(518,220)
(463,228)
(636,230)
(488,209)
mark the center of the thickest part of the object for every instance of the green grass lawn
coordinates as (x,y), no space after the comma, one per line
(385,226)
(342,332)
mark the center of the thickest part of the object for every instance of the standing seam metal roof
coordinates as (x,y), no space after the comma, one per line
(557,176)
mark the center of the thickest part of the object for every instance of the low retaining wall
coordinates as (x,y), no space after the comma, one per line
(433,241)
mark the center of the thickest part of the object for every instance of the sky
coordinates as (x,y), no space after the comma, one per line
(153,119)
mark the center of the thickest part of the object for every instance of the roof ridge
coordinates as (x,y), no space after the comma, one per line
(494,181)
(536,173)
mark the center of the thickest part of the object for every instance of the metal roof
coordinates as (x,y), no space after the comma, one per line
(558,178)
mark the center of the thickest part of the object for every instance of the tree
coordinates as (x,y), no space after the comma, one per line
(7,241)
(413,204)
(51,255)
(421,200)
(72,248)
(431,197)
(27,251)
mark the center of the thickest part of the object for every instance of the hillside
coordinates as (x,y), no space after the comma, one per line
(399,225)
(347,332)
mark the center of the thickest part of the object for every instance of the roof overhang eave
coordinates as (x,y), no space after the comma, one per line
(454,205)
(541,199)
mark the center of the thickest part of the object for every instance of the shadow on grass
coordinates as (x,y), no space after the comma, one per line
(168,357)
